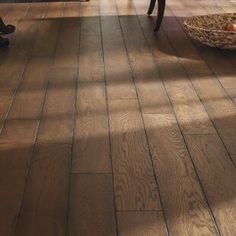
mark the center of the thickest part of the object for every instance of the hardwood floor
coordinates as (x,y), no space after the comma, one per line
(107,128)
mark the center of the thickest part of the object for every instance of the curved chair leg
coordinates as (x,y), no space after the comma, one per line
(161,9)
(151,7)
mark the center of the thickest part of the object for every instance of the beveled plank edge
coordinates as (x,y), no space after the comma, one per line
(35,141)
(190,79)
(201,187)
(21,76)
(32,154)
(161,79)
(73,126)
(205,59)
(108,116)
(230,160)
(20,79)
(141,113)
(234,158)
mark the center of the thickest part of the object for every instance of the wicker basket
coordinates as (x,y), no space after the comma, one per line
(210,30)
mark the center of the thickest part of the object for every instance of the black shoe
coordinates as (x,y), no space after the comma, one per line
(6,29)
(4,42)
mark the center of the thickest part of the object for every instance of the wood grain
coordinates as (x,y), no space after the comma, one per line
(189,110)
(232,94)
(12,64)
(29,26)
(58,112)
(151,92)
(92,205)
(91,56)
(30,95)
(47,37)
(117,70)
(141,224)
(16,12)
(4,10)
(44,208)
(16,142)
(208,88)
(217,60)
(45,202)
(218,176)
(68,39)
(135,187)
(10,75)
(91,141)
(105,52)
(185,208)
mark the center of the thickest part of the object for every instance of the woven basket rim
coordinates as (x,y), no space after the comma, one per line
(187,22)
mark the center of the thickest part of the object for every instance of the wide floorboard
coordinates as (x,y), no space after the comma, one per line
(108,129)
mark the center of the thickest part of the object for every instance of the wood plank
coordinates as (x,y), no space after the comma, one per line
(234,159)
(215,59)
(141,224)
(46,196)
(91,140)
(218,176)
(14,129)
(232,94)
(72,9)
(47,37)
(219,107)
(29,26)
(91,8)
(11,72)
(125,8)
(90,215)
(16,142)
(185,207)
(44,209)
(4,9)
(91,55)
(107,8)
(16,14)
(117,70)
(118,73)
(135,186)
(188,108)
(151,92)
(12,64)
(58,112)
(68,42)
(30,95)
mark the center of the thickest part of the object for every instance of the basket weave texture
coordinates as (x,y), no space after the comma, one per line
(210,30)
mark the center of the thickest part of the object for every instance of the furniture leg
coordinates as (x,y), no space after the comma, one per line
(151,7)
(160,14)
(161,9)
